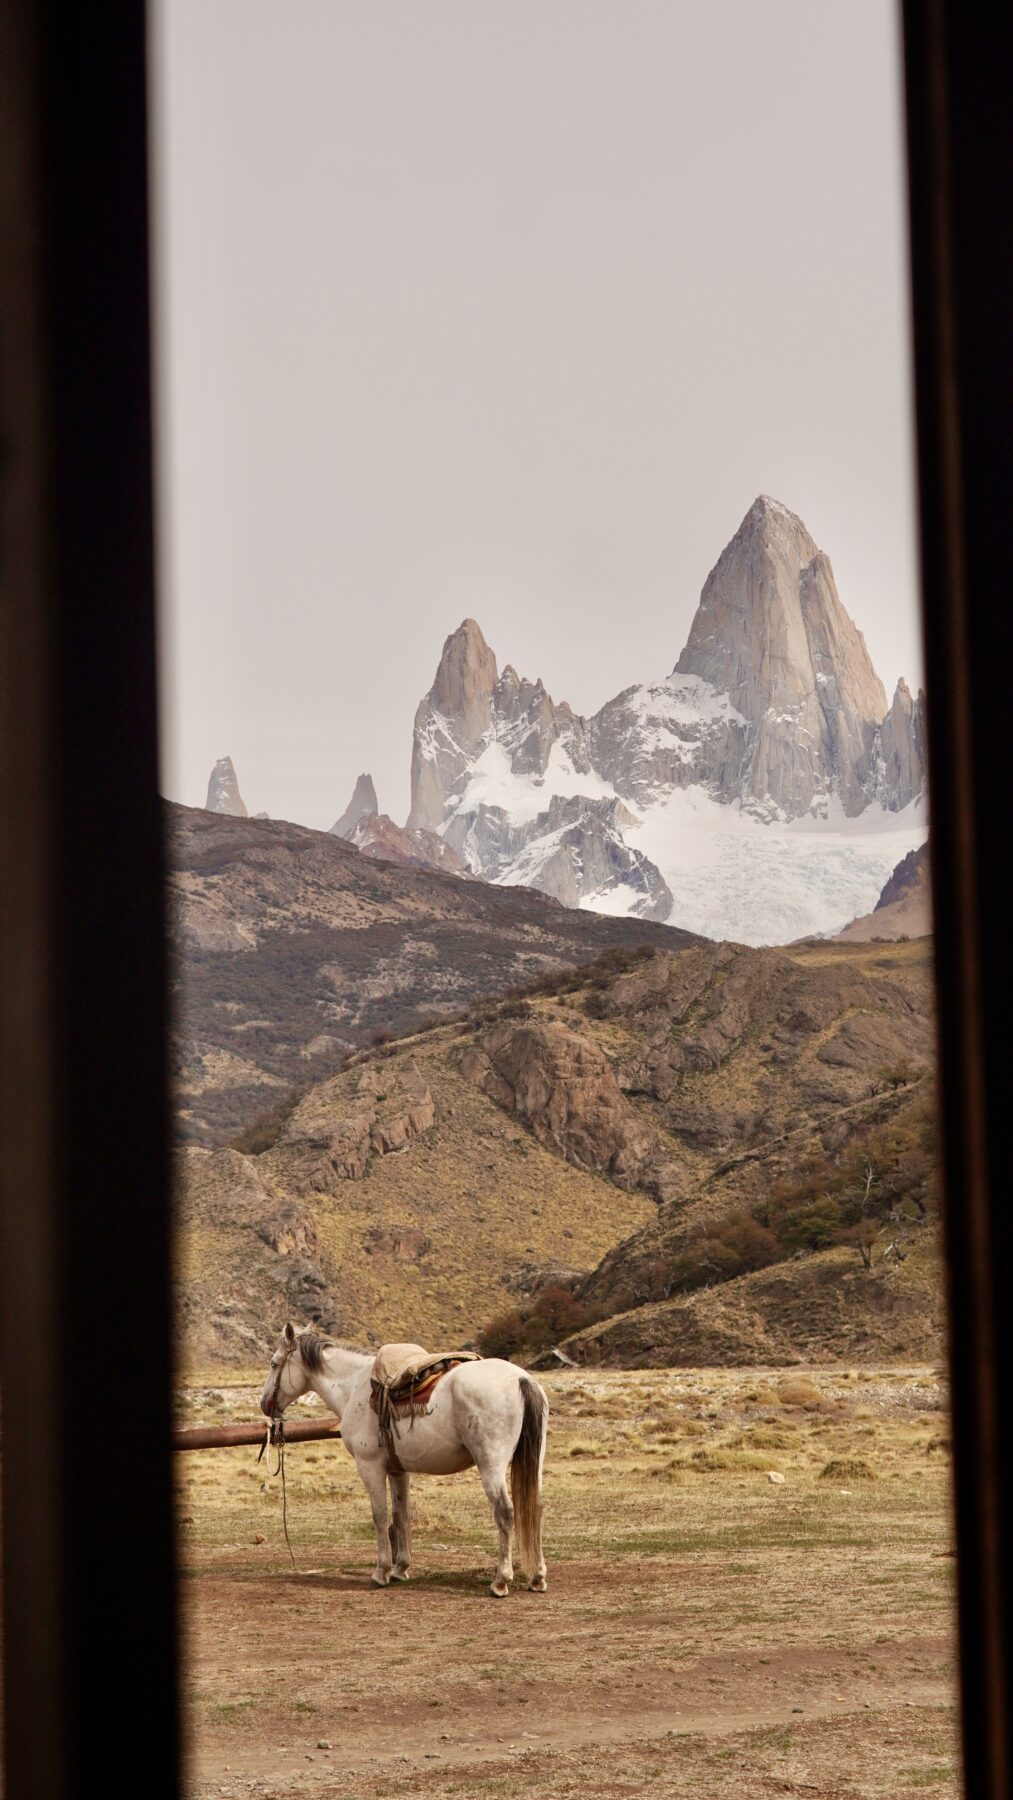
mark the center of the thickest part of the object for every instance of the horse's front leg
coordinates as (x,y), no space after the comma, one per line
(401,1528)
(374,1479)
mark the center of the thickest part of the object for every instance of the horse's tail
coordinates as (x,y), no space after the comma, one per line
(526,1475)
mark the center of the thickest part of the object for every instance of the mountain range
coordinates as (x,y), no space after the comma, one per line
(468,1078)
(762,792)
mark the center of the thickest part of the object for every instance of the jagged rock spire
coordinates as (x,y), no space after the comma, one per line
(771,633)
(465,682)
(362,805)
(470,707)
(450,723)
(223,791)
(903,756)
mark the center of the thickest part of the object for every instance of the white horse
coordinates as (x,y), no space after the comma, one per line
(488,1413)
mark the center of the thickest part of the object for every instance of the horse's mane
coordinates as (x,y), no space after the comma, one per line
(312,1344)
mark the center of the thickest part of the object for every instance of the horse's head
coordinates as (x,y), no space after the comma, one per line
(287,1377)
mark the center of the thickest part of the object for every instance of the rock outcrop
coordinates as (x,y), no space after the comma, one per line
(578,853)
(376,834)
(323,1144)
(562,1085)
(904,908)
(223,791)
(362,805)
(248,1256)
(910,875)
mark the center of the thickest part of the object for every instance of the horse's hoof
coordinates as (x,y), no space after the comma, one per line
(379,1580)
(537,1585)
(400,1575)
(499,1589)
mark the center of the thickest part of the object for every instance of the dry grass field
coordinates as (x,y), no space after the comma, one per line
(707,1631)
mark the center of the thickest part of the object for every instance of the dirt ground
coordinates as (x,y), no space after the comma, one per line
(706,1631)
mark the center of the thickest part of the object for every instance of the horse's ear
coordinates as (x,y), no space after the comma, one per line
(289,1332)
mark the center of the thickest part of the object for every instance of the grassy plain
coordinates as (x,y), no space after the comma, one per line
(707,1631)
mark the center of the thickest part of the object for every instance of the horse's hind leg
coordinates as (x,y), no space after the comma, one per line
(497,1493)
(539,1579)
(401,1527)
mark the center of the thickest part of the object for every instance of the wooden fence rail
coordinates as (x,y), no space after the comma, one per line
(224,1437)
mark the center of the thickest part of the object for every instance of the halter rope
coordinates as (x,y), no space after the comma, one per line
(275,1434)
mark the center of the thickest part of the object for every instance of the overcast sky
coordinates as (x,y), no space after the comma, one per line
(508,308)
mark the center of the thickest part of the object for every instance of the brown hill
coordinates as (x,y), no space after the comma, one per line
(822,1308)
(581,1149)
(397,1202)
(291,948)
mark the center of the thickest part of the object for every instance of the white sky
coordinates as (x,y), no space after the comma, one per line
(508,308)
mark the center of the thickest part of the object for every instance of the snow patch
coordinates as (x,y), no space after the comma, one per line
(492,782)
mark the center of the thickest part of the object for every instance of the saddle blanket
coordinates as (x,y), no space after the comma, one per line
(402,1380)
(406,1374)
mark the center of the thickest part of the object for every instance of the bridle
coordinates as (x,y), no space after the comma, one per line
(275,1435)
(276,1414)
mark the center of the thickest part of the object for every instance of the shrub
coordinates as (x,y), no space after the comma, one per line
(552,1315)
(898,1074)
(559,1312)
(797,1391)
(734,1246)
(515,1009)
(264,1131)
(847,1468)
(503,1336)
(815,1227)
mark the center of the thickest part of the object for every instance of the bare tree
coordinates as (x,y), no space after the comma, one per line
(867,1230)
(865,1237)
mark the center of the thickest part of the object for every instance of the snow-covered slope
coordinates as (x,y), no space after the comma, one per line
(732,876)
(762,792)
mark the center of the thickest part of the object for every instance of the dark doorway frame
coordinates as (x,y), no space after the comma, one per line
(88,1571)
(957,71)
(85,1331)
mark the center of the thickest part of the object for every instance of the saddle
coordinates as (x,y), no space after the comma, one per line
(401,1383)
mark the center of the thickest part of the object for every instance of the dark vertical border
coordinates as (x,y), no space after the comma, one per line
(89,1678)
(85,1253)
(957,69)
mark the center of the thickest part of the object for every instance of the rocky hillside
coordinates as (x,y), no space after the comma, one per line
(764,790)
(291,948)
(904,908)
(663,1158)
